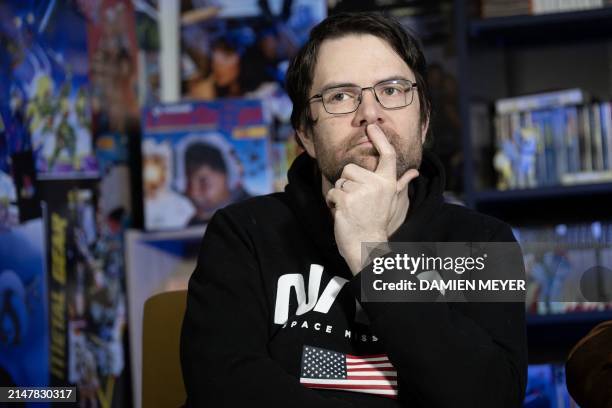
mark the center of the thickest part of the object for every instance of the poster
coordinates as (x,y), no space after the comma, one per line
(243,48)
(86,293)
(45,94)
(113,60)
(201,156)
(24,331)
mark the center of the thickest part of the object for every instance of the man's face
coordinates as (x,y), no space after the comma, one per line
(207,188)
(338,140)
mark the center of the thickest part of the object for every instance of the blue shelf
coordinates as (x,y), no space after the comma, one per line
(542,193)
(482,26)
(551,337)
(544,28)
(573,318)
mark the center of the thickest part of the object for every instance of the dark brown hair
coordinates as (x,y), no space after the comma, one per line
(301,70)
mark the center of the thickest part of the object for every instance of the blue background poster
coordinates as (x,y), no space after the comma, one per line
(24,335)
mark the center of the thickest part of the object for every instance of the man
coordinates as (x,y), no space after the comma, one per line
(272,318)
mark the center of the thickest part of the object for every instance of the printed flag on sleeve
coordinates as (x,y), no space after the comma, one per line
(327,369)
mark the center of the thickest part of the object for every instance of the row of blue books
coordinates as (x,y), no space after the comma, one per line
(560,145)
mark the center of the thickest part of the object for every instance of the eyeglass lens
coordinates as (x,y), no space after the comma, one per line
(346,99)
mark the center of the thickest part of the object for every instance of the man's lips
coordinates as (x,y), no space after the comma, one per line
(364,141)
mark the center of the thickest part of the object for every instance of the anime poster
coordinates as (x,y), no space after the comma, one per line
(201,156)
(24,330)
(44,84)
(111,33)
(243,48)
(86,293)
(113,52)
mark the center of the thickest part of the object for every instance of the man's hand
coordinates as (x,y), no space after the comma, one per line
(365,203)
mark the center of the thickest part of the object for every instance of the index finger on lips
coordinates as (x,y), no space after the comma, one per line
(387,156)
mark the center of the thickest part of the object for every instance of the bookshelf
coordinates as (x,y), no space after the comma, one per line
(551,337)
(509,56)
(569,318)
(553,192)
(544,27)
(504,57)
(568,204)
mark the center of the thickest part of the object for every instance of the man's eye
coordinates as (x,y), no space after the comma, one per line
(390,91)
(339,97)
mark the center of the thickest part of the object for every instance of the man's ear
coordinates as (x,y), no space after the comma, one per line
(424,128)
(306,137)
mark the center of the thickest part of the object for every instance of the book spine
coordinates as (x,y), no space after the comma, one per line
(514,136)
(549,149)
(585,140)
(540,156)
(571,139)
(606,134)
(598,157)
(558,131)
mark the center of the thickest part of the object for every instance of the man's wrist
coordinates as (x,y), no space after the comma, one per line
(357,259)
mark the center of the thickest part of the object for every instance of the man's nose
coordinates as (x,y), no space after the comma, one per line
(369,110)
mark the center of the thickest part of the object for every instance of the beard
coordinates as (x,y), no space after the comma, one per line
(332,159)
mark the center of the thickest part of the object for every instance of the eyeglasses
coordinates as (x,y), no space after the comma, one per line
(392,94)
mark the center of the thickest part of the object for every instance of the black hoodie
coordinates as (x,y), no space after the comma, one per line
(272,316)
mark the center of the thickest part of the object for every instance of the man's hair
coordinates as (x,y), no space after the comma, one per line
(301,70)
(202,154)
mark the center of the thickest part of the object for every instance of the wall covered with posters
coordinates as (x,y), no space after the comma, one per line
(242,49)
(86,147)
(68,92)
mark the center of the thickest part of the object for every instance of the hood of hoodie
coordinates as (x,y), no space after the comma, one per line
(306,200)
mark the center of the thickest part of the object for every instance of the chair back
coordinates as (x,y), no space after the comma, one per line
(162,379)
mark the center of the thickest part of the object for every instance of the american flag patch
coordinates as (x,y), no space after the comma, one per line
(372,374)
